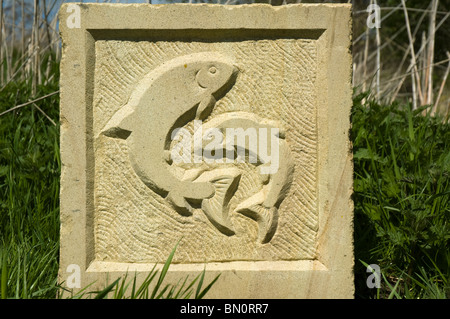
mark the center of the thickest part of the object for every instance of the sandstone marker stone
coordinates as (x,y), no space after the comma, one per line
(221,128)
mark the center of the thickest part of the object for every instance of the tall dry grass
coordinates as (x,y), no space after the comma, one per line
(30,43)
(412,75)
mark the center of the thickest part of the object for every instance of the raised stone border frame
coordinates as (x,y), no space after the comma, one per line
(331,274)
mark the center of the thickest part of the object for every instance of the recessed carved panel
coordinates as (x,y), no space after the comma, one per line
(223,203)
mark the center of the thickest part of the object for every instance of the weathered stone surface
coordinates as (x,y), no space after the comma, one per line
(273,214)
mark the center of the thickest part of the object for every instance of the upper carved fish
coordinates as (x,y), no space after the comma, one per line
(170,96)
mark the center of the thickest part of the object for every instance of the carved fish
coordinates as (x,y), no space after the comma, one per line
(262,206)
(170,96)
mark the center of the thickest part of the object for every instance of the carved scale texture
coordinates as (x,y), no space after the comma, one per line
(134,224)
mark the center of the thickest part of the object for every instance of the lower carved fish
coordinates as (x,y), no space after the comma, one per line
(277,179)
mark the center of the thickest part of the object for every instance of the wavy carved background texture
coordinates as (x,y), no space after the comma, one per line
(133,224)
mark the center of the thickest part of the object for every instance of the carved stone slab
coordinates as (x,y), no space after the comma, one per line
(221,128)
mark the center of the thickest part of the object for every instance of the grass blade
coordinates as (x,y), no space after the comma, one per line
(142,291)
(4,277)
(200,283)
(102,294)
(202,293)
(164,272)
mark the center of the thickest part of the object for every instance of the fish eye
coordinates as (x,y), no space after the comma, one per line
(212,70)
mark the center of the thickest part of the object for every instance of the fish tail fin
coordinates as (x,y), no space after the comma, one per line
(216,208)
(267,219)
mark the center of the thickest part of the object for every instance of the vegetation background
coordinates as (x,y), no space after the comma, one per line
(400,138)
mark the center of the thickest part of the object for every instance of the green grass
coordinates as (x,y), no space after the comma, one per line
(402,196)
(122,288)
(29,207)
(29,192)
